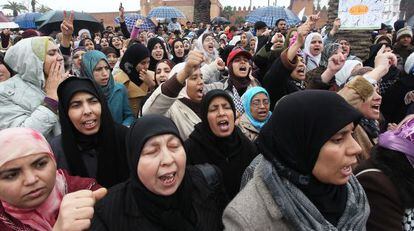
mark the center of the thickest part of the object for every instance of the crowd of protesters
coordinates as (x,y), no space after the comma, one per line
(206,127)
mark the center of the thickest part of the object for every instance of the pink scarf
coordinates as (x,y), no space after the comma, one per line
(44,216)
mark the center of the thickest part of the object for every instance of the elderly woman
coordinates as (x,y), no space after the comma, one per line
(34,194)
(29,98)
(304,181)
(256,105)
(91,142)
(96,67)
(162,193)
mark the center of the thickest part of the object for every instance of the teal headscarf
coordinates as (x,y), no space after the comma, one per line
(89,61)
(247,99)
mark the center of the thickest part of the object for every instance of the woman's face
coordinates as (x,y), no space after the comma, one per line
(143,37)
(316,46)
(208,44)
(143,65)
(195,85)
(243,40)
(346,47)
(241,66)
(77,58)
(336,158)
(89,45)
(4,73)
(157,53)
(52,55)
(187,45)
(161,165)
(252,44)
(162,72)
(104,43)
(179,49)
(85,113)
(220,117)
(101,73)
(371,107)
(26,182)
(117,43)
(112,59)
(259,107)
(299,73)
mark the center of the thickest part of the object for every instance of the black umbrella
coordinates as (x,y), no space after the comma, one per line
(220,21)
(52,20)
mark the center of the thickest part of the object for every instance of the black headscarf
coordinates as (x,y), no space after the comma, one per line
(221,150)
(176,59)
(133,55)
(73,141)
(300,125)
(151,44)
(373,51)
(174,212)
(83,41)
(118,51)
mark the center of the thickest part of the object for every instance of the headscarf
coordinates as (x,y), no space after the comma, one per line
(209,57)
(84,31)
(103,141)
(89,61)
(118,51)
(308,40)
(247,100)
(132,56)
(21,142)
(294,136)
(373,51)
(176,59)
(174,212)
(83,41)
(345,72)
(327,52)
(151,44)
(287,39)
(27,57)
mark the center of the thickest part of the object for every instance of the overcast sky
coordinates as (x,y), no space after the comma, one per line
(129,5)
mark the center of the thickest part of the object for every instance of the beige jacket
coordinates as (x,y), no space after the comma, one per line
(254,209)
(178,112)
(247,128)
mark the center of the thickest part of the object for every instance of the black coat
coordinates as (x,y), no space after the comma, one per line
(232,164)
(119,211)
(90,157)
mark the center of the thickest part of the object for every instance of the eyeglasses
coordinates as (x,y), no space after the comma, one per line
(257,103)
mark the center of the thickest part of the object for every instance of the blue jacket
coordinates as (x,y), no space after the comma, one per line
(119,107)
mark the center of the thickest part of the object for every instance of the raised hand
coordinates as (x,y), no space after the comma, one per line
(220,64)
(194,60)
(55,77)
(336,62)
(76,210)
(121,13)
(67,24)
(147,77)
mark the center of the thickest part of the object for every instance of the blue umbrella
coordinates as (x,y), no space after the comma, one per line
(271,14)
(165,12)
(131,18)
(27,21)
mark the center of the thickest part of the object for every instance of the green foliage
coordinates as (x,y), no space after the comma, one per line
(15,7)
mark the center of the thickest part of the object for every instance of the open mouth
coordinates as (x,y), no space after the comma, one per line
(376,107)
(262,113)
(223,125)
(347,170)
(301,70)
(168,179)
(89,124)
(243,69)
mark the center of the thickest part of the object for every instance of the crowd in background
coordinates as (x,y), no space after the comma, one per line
(206,127)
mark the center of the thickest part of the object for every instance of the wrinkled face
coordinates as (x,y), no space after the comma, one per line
(4,73)
(89,45)
(405,40)
(208,44)
(179,49)
(241,66)
(243,40)
(187,45)
(195,86)
(161,165)
(282,26)
(157,53)
(371,107)
(101,73)
(299,73)
(316,46)
(77,58)
(346,47)
(143,65)
(259,107)
(162,72)
(117,43)
(104,42)
(85,113)
(52,55)
(112,59)
(26,182)
(220,117)
(336,157)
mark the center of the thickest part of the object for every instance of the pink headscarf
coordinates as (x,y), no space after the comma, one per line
(21,142)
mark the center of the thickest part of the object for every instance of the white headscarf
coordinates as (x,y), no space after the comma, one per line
(306,49)
(342,75)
